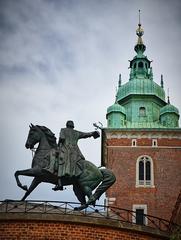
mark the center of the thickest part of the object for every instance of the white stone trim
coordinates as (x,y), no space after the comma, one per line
(111,200)
(138,134)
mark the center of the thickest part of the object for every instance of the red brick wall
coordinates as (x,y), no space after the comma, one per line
(41,230)
(161,199)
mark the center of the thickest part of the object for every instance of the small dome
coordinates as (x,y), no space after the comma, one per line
(116,108)
(169,109)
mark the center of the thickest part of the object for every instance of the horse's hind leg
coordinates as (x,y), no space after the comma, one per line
(79,193)
(108,180)
(88,191)
(33,185)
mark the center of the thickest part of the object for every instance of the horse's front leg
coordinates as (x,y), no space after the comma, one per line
(36,181)
(88,192)
(31,172)
(79,193)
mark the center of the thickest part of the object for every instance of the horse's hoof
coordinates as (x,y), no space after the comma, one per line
(56,188)
(81,207)
(24,187)
(91,201)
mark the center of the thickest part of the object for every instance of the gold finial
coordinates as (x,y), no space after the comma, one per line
(139,31)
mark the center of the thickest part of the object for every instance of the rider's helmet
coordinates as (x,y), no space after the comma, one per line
(70,124)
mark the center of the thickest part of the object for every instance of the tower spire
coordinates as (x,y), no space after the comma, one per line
(120,81)
(140,47)
(168,98)
(162,84)
(139,18)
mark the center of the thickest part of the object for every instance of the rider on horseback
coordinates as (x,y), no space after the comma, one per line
(68,153)
(69,164)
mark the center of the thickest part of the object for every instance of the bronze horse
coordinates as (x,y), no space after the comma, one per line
(83,185)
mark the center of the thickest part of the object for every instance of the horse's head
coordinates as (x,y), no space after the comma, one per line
(36,133)
(34,136)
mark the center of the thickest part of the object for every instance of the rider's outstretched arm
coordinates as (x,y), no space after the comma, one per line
(94,134)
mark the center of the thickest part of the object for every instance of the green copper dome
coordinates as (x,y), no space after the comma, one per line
(169,109)
(116,108)
(140,87)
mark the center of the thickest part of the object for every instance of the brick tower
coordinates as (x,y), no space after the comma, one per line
(142,143)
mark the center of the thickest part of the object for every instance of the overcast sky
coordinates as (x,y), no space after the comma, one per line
(60,60)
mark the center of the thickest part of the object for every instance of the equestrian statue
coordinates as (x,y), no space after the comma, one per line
(63,164)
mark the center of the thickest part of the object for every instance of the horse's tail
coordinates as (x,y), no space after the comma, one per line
(108,180)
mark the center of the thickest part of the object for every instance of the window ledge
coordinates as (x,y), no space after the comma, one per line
(145,186)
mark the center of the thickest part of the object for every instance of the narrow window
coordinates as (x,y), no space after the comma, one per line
(140,65)
(134,65)
(144,172)
(154,142)
(148,173)
(133,142)
(142,112)
(139,215)
(141,173)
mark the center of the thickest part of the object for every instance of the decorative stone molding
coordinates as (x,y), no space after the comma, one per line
(118,134)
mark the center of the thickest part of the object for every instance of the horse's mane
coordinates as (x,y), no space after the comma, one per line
(49,134)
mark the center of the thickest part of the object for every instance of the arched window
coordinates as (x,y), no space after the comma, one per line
(144,172)
(154,143)
(133,143)
(140,65)
(142,111)
(134,65)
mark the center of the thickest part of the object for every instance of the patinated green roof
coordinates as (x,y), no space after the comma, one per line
(116,108)
(143,125)
(140,87)
(169,109)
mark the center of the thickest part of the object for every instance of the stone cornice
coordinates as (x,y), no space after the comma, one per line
(144,133)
